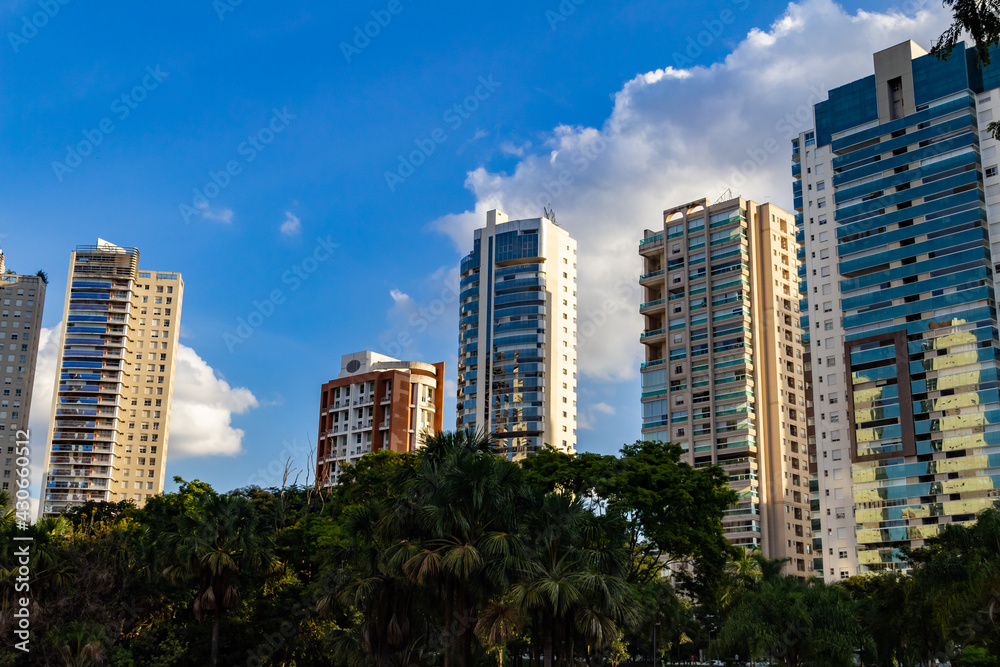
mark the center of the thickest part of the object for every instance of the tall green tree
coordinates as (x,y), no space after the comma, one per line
(218,544)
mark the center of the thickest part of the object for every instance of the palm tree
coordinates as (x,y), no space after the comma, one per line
(79,644)
(8,515)
(465,506)
(747,572)
(574,588)
(499,623)
(371,587)
(219,544)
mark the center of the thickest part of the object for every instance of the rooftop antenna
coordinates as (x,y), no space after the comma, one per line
(550,214)
(728,194)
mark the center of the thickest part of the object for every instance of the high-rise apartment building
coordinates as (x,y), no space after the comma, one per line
(517,335)
(723,375)
(899,203)
(114,380)
(20,325)
(377,403)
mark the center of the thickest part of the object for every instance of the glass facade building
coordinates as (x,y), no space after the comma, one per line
(517,335)
(907,299)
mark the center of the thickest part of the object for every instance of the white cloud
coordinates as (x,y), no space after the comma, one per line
(603,408)
(480,134)
(201,416)
(203,407)
(510,148)
(41,408)
(222,215)
(426,312)
(292,225)
(588,416)
(675,135)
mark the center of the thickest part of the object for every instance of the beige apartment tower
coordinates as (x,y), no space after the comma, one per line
(114,382)
(517,336)
(20,324)
(723,375)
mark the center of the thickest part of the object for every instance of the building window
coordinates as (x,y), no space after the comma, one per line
(991,171)
(895,98)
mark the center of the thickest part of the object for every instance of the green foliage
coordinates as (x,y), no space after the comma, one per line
(453,556)
(980,19)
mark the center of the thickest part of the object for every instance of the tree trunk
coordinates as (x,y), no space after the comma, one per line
(215,633)
(548,648)
(572,650)
(447,623)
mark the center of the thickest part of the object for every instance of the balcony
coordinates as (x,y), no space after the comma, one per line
(652,333)
(652,306)
(649,276)
(384,425)
(651,243)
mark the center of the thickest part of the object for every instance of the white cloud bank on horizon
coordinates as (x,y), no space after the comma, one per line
(676,135)
(201,414)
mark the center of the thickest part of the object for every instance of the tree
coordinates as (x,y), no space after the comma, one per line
(79,644)
(979,18)
(465,505)
(673,511)
(575,586)
(219,545)
(794,621)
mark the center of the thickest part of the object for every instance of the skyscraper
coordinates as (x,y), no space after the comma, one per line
(723,375)
(114,382)
(377,403)
(898,201)
(517,335)
(20,324)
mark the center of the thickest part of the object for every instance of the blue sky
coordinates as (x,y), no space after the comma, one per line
(172,93)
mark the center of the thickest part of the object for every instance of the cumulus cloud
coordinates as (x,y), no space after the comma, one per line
(676,135)
(203,407)
(202,411)
(41,408)
(292,225)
